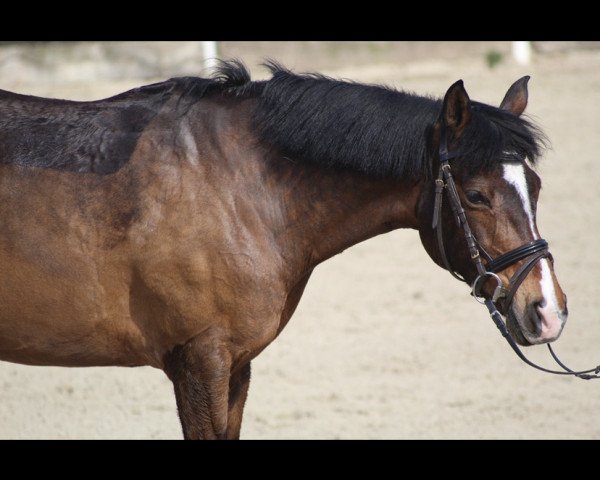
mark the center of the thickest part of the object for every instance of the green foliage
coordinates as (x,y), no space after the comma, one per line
(493,58)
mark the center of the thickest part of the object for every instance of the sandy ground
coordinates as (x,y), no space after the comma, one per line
(385,344)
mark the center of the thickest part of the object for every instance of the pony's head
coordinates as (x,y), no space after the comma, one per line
(498,188)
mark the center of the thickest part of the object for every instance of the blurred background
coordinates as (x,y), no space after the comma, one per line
(90,67)
(384,344)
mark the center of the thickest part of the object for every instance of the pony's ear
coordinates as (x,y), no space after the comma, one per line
(515,99)
(456,112)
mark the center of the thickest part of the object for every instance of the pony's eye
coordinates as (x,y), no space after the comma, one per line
(476,197)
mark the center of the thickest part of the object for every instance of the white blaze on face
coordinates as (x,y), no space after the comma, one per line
(514,173)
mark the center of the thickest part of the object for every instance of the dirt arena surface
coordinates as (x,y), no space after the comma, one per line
(385,344)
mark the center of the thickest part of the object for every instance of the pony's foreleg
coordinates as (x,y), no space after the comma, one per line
(238,392)
(200,372)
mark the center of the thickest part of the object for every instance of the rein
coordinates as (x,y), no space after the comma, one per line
(531,252)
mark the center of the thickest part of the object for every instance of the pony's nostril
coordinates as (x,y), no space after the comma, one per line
(537,306)
(547,319)
(536,316)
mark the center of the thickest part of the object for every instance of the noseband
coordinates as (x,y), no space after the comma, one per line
(531,253)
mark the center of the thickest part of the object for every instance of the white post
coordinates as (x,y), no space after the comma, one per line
(209,50)
(522,52)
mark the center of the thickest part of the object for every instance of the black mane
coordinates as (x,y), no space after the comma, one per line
(378,130)
(375,130)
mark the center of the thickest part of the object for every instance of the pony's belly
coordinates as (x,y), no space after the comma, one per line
(72,315)
(69,338)
(70,352)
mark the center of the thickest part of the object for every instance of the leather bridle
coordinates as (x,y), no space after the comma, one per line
(531,253)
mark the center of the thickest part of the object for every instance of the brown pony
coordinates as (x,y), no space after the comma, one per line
(177,224)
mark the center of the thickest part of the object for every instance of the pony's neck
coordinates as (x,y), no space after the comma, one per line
(327,212)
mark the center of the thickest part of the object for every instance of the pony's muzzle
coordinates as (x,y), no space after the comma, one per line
(550,321)
(541,322)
